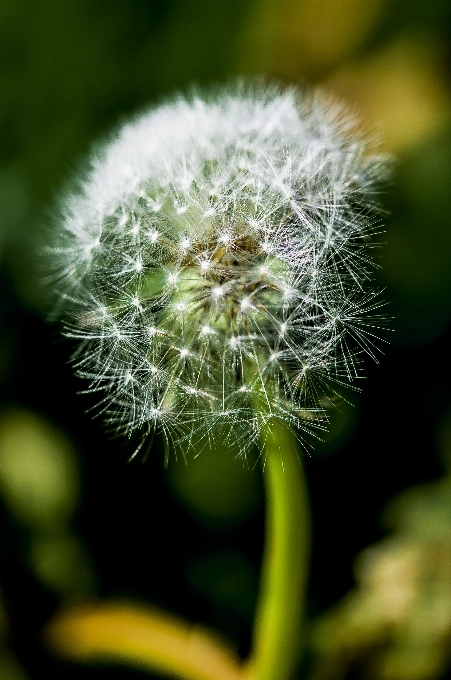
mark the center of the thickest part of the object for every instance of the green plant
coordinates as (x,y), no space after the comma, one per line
(215,267)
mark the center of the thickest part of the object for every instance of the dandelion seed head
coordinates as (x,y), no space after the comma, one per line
(218,248)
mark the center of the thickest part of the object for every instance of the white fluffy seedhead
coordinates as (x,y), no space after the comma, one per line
(215,264)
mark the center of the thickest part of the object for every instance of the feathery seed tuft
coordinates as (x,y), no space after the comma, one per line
(215,265)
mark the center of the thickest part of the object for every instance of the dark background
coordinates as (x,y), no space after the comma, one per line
(69,71)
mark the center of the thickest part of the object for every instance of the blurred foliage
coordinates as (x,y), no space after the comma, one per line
(203,482)
(401,87)
(38,471)
(144,638)
(304,40)
(396,623)
(39,484)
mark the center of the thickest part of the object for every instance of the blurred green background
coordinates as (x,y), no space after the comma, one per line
(76,521)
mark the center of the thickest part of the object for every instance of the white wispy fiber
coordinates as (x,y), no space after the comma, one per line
(215,264)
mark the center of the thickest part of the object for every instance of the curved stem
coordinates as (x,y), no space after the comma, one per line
(278,624)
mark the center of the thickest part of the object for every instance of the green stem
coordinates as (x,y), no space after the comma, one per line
(280,610)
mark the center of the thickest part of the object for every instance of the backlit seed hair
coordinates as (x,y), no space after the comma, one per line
(215,264)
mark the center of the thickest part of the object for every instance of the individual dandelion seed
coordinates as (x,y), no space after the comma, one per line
(215,264)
